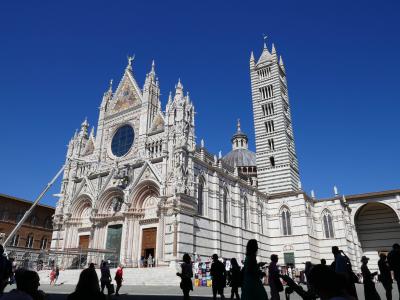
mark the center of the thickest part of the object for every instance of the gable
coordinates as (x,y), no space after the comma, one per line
(126,95)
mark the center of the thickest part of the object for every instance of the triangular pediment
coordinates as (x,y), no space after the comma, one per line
(127,95)
(148,172)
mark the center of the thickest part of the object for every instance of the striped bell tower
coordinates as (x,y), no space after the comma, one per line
(277,166)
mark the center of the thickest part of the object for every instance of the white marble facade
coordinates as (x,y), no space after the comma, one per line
(143,177)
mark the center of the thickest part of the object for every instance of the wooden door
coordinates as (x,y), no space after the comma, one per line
(84,241)
(149,240)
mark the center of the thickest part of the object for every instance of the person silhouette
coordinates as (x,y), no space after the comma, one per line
(87,287)
(28,283)
(342,266)
(385,277)
(235,278)
(274,279)
(186,275)
(394,263)
(5,270)
(105,278)
(370,292)
(218,277)
(327,284)
(252,288)
(119,278)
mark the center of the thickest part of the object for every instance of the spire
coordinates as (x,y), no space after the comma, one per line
(84,128)
(170,97)
(273,51)
(251,56)
(153,67)
(238,126)
(281,60)
(179,88)
(92,132)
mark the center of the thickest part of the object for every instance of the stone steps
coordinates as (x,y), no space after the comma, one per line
(158,276)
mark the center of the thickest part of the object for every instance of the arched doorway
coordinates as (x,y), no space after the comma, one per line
(378,229)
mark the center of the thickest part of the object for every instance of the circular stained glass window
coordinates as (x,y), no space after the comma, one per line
(122,140)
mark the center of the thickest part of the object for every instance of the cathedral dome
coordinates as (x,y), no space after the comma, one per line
(240,158)
(240,155)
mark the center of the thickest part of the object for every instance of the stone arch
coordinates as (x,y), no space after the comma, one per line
(143,191)
(106,199)
(377,226)
(81,204)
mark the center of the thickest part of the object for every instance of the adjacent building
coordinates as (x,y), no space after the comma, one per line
(35,234)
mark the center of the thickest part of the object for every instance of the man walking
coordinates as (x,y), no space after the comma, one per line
(218,277)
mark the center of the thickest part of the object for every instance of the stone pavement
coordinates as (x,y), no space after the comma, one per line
(60,292)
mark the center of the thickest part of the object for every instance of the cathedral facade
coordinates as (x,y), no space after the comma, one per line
(142,185)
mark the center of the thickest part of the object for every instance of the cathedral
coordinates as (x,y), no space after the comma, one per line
(141,185)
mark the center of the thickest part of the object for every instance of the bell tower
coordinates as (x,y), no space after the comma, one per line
(277,166)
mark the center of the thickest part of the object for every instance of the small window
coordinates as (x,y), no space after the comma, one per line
(34,220)
(271,144)
(19,217)
(43,243)
(47,223)
(29,241)
(15,240)
(272,161)
(269,126)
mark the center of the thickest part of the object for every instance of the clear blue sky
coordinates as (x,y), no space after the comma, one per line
(342,59)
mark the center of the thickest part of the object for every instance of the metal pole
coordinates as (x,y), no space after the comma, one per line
(29,211)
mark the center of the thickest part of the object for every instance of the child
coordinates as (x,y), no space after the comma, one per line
(52,276)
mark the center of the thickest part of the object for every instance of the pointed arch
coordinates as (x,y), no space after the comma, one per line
(80,204)
(225,205)
(201,195)
(106,199)
(246,214)
(144,190)
(286,222)
(327,224)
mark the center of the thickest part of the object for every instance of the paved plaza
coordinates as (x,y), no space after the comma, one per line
(168,293)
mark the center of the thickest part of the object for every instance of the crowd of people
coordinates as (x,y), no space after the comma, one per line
(334,282)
